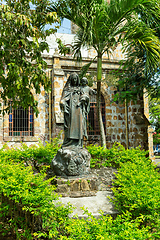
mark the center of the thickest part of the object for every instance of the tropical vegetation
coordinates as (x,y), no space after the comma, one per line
(103,25)
(27,209)
(22,42)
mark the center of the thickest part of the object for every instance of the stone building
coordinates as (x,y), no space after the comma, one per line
(23,126)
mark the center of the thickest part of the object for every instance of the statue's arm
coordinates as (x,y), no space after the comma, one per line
(64,103)
(92,91)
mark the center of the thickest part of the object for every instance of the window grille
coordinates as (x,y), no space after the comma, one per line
(93,126)
(21,122)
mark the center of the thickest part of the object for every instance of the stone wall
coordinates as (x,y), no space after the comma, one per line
(40,125)
(116,114)
(50,119)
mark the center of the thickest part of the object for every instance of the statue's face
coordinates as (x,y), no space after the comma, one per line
(74,80)
(84,81)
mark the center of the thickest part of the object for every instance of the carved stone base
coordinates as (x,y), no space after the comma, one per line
(71,161)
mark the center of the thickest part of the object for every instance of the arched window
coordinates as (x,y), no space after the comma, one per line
(93,126)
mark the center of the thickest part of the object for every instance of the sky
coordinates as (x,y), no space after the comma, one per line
(65,25)
(64,28)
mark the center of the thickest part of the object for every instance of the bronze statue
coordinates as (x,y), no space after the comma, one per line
(72,159)
(75,105)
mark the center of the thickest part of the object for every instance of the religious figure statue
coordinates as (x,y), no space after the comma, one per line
(75,105)
(85,91)
(72,159)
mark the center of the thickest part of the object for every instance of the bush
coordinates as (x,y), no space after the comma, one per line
(106,228)
(156,138)
(27,202)
(37,155)
(27,198)
(137,190)
(115,156)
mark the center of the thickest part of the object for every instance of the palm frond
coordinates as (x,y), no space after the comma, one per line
(146,39)
(102,25)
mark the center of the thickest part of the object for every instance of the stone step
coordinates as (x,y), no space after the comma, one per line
(94,204)
(85,185)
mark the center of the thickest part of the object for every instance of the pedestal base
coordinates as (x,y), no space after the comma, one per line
(71,161)
(90,191)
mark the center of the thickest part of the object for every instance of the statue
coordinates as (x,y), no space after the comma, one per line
(72,159)
(85,91)
(75,105)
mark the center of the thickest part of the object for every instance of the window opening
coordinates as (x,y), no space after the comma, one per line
(21,121)
(93,126)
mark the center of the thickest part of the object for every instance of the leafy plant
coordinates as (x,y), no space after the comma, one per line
(27,201)
(101,26)
(121,228)
(114,156)
(156,138)
(21,28)
(136,189)
(37,156)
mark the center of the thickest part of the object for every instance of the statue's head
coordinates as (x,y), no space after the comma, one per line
(74,79)
(84,81)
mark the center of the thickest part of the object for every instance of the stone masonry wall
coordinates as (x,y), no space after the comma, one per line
(40,125)
(115,113)
(60,67)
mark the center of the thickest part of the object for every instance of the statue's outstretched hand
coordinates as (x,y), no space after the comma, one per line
(94,91)
(64,107)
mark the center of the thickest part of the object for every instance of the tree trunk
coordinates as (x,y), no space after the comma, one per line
(126,118)
(99,78)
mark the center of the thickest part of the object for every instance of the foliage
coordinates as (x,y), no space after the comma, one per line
(121,228)
(115,156)
(154,110)
(156,138)
(62,48)
(36,155)
(101,22)
(102,25)
(27,201)
(135,79)
(136,197)
(136,189)
(22,41)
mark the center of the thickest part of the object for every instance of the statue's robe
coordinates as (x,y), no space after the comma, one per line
(74,127)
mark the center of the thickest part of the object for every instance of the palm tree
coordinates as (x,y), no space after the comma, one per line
(104,24)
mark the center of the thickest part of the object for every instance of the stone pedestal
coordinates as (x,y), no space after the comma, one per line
(71,161)
(91,191)
(85,185)
(76,187)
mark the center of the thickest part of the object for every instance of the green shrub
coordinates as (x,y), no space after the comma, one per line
(106,228)
(137,190)
(27,201)
(36,155)
(115,156)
